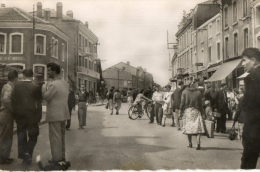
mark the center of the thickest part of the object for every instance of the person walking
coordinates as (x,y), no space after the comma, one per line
(192,109)
(110,96)
(176,101)
(130,98)
(6,119)
(250,109)
(56,92)
(167,106)
(158,102)
(117,100)
(82,107)
(71,105)
(222,108)
(25,97)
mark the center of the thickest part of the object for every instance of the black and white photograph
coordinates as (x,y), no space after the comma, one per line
(129,85)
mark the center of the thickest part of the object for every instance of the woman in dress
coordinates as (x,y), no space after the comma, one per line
(192,110)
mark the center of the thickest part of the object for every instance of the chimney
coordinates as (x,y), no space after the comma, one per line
(59,10)
(39,9)
(47,14)
(2,5)
(69,13)
(86,24)
(128,63)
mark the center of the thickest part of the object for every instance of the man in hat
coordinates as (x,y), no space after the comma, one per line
(250,109)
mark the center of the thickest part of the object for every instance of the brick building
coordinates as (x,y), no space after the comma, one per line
(123,75)
(30,42)
(82,50)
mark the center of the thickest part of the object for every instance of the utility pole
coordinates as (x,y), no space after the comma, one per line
(117,79)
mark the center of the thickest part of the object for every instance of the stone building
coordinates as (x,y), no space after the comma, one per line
(27,41)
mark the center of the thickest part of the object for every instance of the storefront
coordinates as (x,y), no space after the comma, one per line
(228,72)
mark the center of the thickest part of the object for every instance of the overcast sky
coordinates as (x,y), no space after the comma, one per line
(128,30)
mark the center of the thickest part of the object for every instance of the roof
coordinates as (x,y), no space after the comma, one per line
(15,14)
(53,14)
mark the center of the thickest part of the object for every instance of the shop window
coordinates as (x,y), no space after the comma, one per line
(16,43)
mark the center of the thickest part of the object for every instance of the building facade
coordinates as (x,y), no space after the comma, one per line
(187,60)
(208,42)
(123,76)
(237,34)
(82,50)
(30,42)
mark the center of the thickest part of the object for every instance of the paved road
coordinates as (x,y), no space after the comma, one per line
(116,142)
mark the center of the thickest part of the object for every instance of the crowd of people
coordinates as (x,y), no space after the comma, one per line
(190,106)
(21,101)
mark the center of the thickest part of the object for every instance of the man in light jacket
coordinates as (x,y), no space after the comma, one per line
(56,92)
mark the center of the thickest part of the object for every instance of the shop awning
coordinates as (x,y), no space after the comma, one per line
(224,70)
(243,75)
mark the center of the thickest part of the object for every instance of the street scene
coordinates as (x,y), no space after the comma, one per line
(122,85)
(120,143)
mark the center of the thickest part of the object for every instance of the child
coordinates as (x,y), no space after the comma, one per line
(209,111)
(210,122)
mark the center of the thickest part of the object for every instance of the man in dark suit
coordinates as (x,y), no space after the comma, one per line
(176,101)
(25,101)
(250,109)
(222,108)
(71,105)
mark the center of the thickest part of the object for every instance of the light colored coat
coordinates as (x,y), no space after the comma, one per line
(56,95)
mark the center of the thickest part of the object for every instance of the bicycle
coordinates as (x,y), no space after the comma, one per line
(136,111)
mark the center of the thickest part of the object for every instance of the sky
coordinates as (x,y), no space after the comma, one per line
(128,30)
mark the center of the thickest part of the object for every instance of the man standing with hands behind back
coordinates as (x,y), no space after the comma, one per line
(56,92)
(250,109)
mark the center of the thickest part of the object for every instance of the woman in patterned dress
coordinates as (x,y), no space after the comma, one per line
(192,110)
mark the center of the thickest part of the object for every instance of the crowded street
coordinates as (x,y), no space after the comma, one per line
(117,142)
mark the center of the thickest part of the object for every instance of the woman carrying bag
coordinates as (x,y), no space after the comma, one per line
(191,111)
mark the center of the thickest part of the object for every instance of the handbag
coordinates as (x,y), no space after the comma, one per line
(232,132)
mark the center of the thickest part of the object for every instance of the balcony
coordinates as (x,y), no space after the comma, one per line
(88,72)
